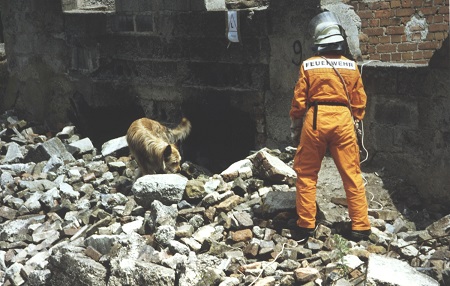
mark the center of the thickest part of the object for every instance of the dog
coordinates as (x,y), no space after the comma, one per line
(153,145)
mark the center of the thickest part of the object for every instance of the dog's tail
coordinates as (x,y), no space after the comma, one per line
(182,130)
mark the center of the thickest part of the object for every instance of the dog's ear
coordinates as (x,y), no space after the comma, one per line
(167,151)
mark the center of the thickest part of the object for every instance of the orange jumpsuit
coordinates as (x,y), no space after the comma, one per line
(331,126)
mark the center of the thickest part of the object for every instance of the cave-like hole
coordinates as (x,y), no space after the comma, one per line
(221,134)
(104,123)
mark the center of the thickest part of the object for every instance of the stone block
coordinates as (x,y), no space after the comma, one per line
(144,23)
(123,23)
(126,5)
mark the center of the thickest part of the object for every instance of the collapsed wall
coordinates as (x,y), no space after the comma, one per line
(103,68)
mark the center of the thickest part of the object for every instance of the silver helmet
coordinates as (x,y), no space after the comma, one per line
(326,29)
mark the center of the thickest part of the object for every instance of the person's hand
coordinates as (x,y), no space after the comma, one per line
(296,131)
(359,133)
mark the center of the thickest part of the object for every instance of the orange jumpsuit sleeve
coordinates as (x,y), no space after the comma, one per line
(299,101)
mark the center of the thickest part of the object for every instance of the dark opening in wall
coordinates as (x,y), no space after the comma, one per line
(221,134)
(103,123)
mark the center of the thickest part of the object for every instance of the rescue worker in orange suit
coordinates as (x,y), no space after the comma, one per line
(323,115)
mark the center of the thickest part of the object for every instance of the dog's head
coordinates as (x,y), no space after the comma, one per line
(172,159)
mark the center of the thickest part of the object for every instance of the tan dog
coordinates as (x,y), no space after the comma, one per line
(153,145)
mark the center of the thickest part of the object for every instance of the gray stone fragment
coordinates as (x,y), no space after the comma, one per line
(53,164)
(39,260)
(276,202)
(7,212)
(243,219)
(233,171)
(39,277)
(13,154)
(102,243)
(76,269)
(385,271)
(66,132)
(13,273)
(440,227)
(114,145)
(178,247)
(44,151)
(19,167)
(166,188)
(131,272)
(272,168)
(2,260)
(164,234)
(37,185)
(83,146)
(6,178)
(68,191)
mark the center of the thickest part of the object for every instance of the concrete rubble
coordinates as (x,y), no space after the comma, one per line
(74,215)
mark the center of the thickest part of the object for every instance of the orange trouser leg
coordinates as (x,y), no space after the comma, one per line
(307,163)
(345,152)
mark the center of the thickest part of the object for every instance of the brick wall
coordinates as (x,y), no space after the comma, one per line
(407,31)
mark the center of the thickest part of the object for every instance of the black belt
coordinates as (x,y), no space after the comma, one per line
(317,103)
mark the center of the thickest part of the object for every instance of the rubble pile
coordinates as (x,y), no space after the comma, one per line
(71,215)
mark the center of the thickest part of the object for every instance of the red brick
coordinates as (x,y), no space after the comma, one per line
(429,45)
(395,21)
(385,5)
(363,38)
(428,54)
(361,6)
(397,38)
(383,13)
(395,4)
(436,19)
(374,40)
(444,10)
(416,37)
(417,55)
(385,57)
(405,20)
(416,28)
(417,3)
(374,23)
(374,6)
(429,10)
(363,49)
(406,56)
(365,14)
(384,39)
(385,22)
(404,12)
(439,36)
(386,48)
(396,57)
(405,47)
(392,30)
(364,23)
(439,2)
(374,57)
(371,49)
(373,31)
(437,28)
(406,3)
(430,37)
